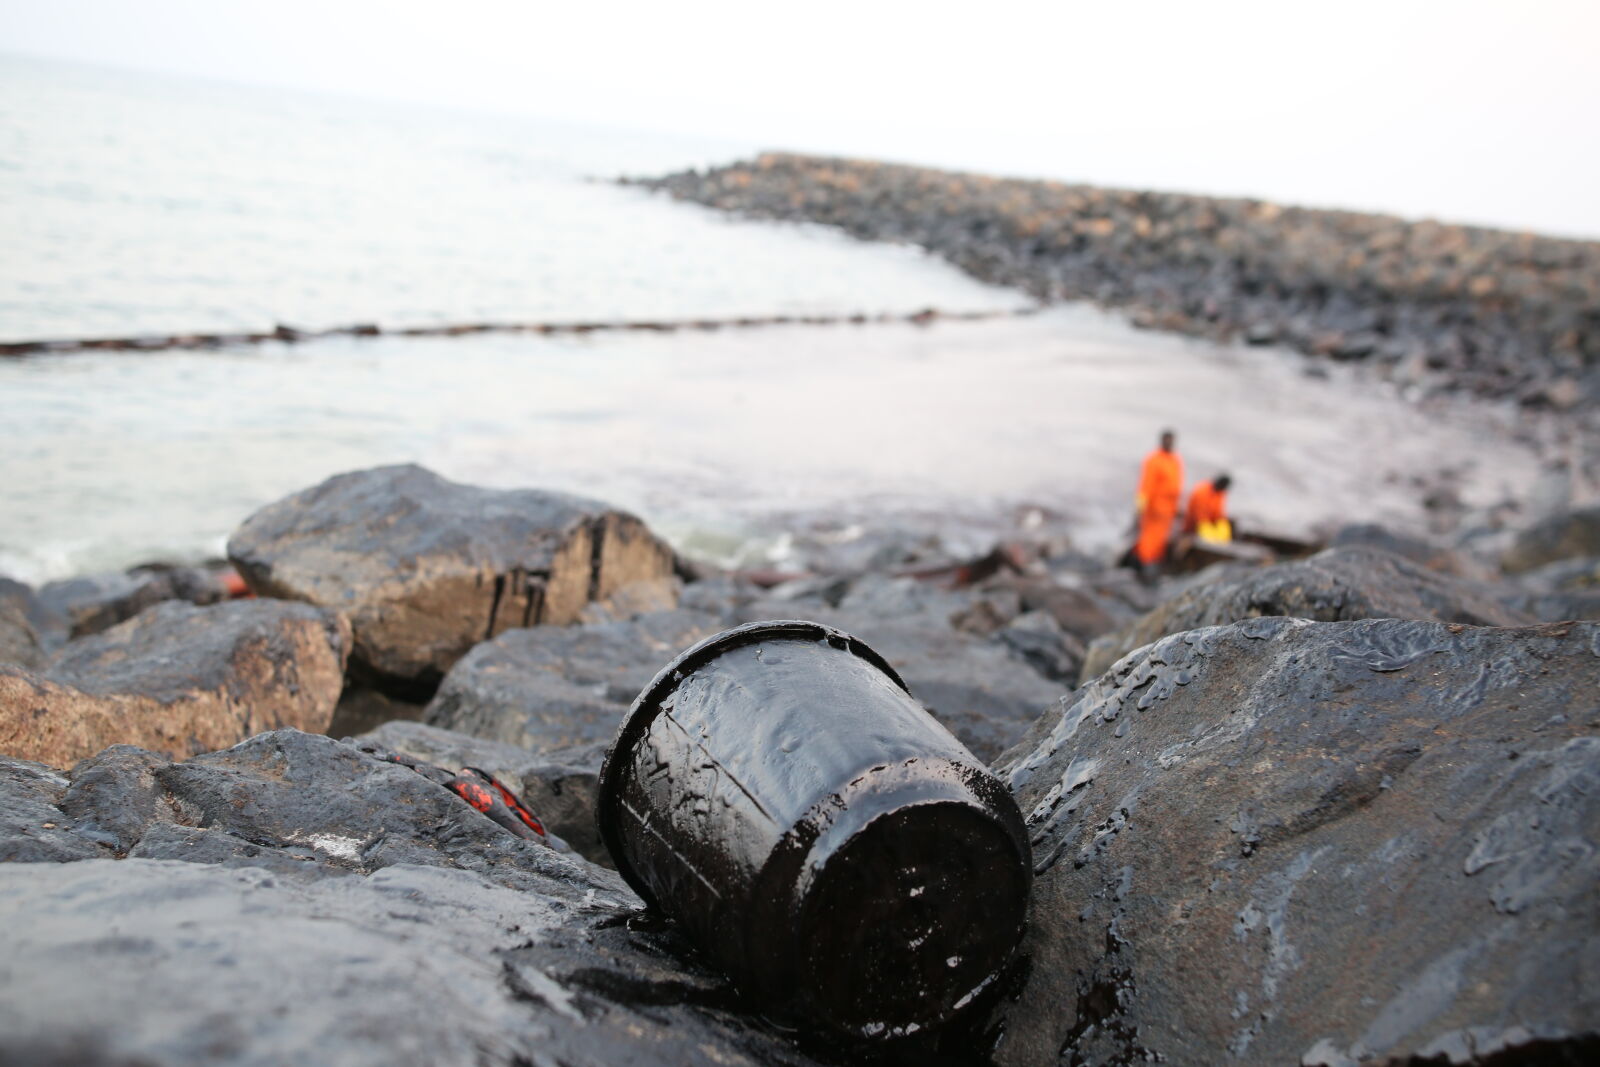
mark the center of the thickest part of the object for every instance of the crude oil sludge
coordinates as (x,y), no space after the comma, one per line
(778,792)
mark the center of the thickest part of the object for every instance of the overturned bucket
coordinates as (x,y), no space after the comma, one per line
(778,792)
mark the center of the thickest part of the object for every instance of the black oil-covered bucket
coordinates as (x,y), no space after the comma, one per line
(778,792)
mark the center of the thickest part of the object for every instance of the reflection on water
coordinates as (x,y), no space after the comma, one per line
(111,459)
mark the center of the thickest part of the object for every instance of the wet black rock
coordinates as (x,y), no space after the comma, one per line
(1323,843)
(1334,585)
(292,900)
(426,568)
(559,786)
(1568,535)
(551,687)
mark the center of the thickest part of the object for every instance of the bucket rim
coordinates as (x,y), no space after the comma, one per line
(648,703)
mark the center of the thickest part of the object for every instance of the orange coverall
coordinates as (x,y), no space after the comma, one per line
(1207,507)
(1160,486)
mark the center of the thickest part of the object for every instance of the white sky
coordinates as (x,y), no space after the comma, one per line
(1458,109)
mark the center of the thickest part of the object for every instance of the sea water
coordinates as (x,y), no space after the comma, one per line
(133,204)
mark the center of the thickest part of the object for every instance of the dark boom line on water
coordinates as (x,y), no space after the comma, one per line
(294,335)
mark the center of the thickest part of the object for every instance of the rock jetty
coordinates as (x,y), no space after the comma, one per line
(1487,311)
(1369,834)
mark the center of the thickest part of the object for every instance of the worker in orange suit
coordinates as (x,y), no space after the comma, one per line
(1160,488)
(1207,514)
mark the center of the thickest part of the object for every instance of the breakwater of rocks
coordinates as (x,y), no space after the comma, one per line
(1331,810)
(1490,312)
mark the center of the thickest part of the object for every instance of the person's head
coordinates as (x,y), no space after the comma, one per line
(1168,440)
(1221,482)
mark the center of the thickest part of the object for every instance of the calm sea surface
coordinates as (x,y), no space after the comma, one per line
(132,204)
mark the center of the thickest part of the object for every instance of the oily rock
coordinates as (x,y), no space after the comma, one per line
(96,602)
(1565,589)
(552,687)
(426,568)
(1282,841)
(301,902)
(33,828)
(178,679)
(1567,535)
(559,787)
(363,708)
(1356,582)
(1417,550)
(1079,612)
(984,689)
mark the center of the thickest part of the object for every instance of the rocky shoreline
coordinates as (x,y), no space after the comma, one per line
(1427,304)
(1335,809)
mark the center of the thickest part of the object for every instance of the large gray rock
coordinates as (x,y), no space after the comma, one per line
(1334,585)
(552,687)
(1318,843)
(426,568)
(1569,535)
(179,679)
(294,901)
(560,787)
